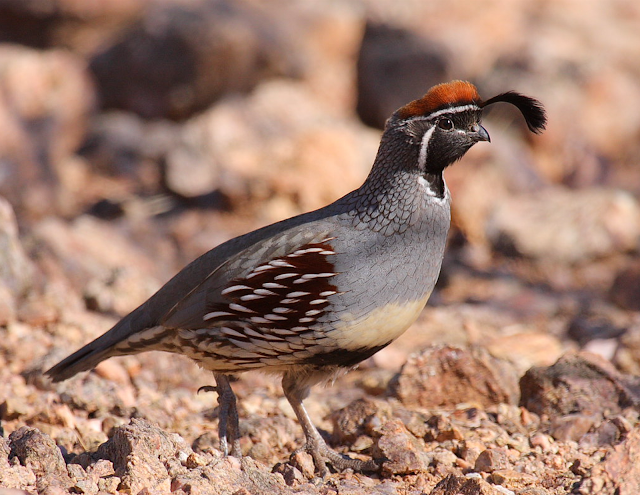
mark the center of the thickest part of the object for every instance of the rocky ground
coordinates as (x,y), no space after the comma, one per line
(137,134)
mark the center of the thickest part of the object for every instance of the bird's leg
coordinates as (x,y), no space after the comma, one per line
(315,444)
(228,427)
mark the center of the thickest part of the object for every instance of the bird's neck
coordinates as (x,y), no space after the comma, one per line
(396,194)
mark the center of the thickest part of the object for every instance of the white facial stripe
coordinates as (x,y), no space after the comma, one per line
(464,108)
(424,144)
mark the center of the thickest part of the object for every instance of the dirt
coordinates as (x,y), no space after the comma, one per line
(522,374)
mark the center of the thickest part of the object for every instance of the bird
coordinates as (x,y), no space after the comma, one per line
(310,297)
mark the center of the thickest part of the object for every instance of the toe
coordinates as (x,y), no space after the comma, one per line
(207,388)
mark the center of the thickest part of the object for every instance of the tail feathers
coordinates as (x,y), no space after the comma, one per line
(102,348)
(82,360)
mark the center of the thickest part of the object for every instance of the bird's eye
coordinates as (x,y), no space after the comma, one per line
(445,124)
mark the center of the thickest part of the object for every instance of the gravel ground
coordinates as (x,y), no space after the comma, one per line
(136,135)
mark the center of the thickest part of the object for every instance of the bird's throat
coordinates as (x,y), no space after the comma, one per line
(436,184)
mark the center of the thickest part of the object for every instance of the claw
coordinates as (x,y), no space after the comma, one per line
(315,444)
(322,455)
(228,430)
(207,388)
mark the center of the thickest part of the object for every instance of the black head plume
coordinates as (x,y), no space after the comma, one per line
(531,109)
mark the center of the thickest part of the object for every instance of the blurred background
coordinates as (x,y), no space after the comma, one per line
(136,135)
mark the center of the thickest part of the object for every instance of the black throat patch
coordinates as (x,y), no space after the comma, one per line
(436,182)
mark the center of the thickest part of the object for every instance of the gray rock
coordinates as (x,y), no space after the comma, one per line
(625,290)
(403,453)
(582,383)
(41,455)
(268,149)
(395,66)
(446,376)
(565,226)
(44,119)
(146,457)
(16,270)
(179,58)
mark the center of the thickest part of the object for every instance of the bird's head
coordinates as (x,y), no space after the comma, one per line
(445,123)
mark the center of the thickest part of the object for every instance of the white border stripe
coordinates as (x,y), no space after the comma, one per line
(445,111)
(424,144)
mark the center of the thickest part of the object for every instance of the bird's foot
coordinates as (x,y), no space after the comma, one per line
(322,455)
(227,410)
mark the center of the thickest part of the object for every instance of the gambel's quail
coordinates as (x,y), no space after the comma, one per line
(312,296)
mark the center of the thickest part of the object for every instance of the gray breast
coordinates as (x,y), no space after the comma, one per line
(396,265)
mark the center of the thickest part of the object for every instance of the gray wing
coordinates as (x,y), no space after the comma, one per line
(182,301)
(189,312)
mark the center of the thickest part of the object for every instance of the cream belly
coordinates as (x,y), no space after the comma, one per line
(377,328)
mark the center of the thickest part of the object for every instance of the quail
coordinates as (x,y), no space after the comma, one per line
(314,295)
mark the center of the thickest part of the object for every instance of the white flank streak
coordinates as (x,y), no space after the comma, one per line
(281,264)
(306,320)
(238,307)
(313,312)
(262,268)
(247,346)
(318,301)
(258,319)
(275,317)
(327,252)
(326,293)
(308,276)
(299,329)
(272,285)
(251,297)
(282,310)
(231,332)
(424,144)
(285,275)
(216,314)
(308,250)
(264,292)
(284,331)
(298,293)
(289,301)
(280,346)
(234,288)
(252,333)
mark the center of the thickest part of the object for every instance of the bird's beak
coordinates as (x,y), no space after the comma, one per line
(481,133)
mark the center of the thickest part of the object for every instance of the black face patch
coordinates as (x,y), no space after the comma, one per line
(447,144)
(461,120)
